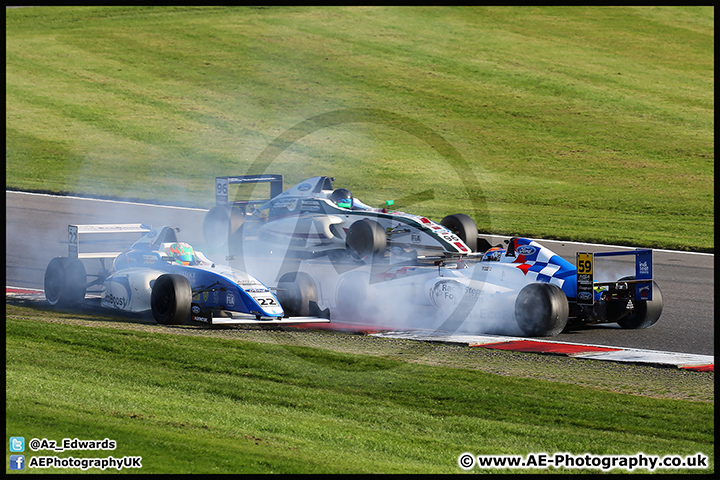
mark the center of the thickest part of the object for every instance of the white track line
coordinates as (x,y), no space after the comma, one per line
(123,202)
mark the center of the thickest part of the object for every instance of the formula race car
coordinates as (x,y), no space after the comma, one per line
(523,289)
(394,268)
(169,278)
(313,219)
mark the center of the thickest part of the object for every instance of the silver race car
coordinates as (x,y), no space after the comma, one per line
(313,219)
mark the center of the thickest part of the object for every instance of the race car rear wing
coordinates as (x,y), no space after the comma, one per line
(585,263)
(222,187)
(75,231)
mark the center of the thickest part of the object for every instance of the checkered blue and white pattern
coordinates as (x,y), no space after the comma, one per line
(545,266)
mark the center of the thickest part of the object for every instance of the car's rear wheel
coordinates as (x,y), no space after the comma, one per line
(221,223)
(644,313)
(366,238)
(352,295)
(65,282)
(295,291)
(464,227)
(171,299)
(541,310)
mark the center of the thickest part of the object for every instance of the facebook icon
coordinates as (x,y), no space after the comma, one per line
(17,462)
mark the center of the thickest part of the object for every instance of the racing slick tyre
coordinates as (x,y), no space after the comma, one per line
(220,224)
(295,291)
(464,227)
(171,299)
(645,313)
(352,294)
(65,282)
(541,310)
(366,238)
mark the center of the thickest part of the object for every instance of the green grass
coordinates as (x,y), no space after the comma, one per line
(189,404)
(580,123)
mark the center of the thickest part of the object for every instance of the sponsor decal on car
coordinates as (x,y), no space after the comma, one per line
(585,296)
(266,301)
(113,301)
(450,292)
(289,203)
(310,206)
(117,294)
(526,250)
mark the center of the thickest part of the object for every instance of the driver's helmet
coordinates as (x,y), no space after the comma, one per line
(493,255)
(342,197)
(181,253)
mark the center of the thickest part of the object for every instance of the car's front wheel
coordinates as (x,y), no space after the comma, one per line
(171,299)
(464,227)
(295,291)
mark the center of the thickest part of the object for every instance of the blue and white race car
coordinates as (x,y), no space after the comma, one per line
(162,275)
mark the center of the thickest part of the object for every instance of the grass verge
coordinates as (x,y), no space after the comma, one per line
(580,123)
(213,404)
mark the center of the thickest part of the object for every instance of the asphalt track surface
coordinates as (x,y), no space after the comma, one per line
(36,231)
